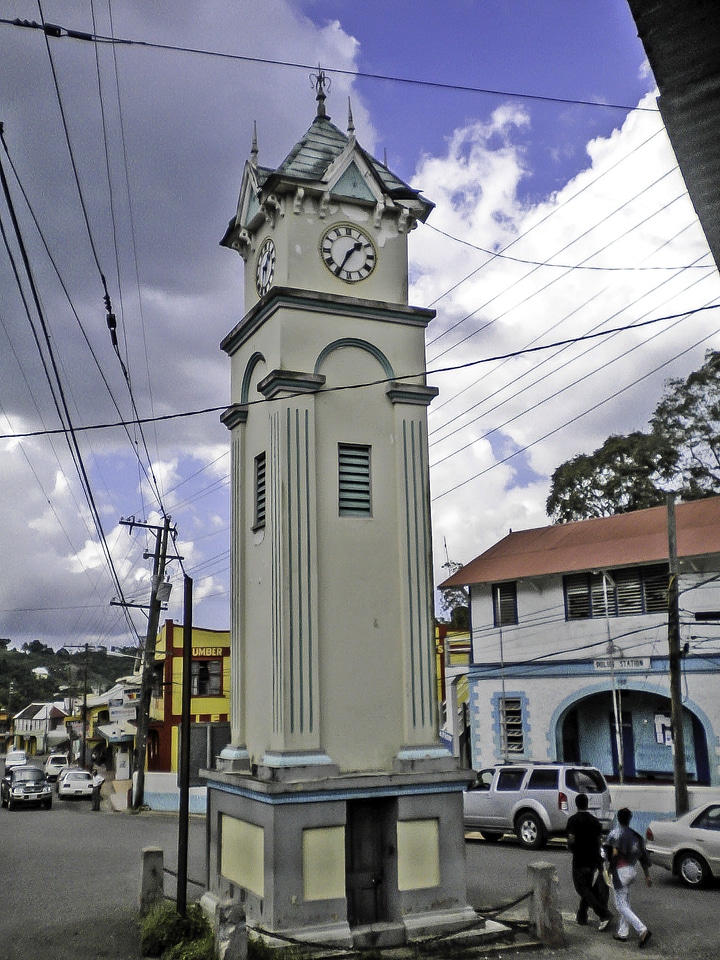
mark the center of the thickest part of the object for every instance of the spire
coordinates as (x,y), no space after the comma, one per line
(254,149)
(351,122)
(320,81)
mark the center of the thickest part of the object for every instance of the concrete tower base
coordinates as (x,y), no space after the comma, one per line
(372,859)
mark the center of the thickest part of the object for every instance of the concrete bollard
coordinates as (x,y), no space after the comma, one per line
(227,918)
(231,937)
(152,882)
(544,912)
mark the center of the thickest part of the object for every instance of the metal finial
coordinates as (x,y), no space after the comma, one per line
(254,149)
(321,83)
(351,122)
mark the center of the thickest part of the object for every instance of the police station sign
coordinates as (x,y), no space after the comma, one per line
(608,664)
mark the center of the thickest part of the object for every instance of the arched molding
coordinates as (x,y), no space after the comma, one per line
(359,345)
(649,689)
(252,363)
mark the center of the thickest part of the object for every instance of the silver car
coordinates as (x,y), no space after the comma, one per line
(689,846)
(533,800)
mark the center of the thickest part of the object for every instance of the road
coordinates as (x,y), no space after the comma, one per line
(683,921)
(71,880)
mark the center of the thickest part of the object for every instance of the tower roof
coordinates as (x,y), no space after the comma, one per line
(325,162)
(312,157)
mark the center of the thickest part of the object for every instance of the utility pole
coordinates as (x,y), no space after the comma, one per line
(148,667)
(682,803)
(184,813)
(83,755)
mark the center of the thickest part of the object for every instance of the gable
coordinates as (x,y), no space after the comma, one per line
(353,185)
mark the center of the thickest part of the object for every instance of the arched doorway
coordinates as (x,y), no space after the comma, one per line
(586,732)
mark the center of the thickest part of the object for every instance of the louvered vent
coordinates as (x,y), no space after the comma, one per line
(354,480)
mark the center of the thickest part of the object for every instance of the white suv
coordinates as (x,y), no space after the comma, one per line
(533,800)
(15,758)
(54,764)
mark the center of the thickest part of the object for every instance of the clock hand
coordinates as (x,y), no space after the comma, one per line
(353,249)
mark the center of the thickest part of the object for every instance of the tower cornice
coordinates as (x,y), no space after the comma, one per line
(289,298)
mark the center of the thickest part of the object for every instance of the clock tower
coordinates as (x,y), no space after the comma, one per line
(335,810)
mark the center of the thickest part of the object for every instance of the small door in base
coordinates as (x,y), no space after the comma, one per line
(365,846)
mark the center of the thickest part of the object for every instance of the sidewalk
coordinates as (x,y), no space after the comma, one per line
(583,943)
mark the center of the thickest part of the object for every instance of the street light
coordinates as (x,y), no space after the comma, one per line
(612,649)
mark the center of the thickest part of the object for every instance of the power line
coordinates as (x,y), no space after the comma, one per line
(500,255)
(110,315)
(58,32)
(579,416)
(591,373)
(54,380)
(373,383)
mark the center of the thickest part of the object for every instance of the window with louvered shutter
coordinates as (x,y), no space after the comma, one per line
(577,597)
(511,726)
(598,592)
(260,491)
(206,678)
(655,588)
(505,604)
(354,493)
(628,591)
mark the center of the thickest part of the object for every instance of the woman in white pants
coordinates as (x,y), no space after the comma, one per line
(627,849)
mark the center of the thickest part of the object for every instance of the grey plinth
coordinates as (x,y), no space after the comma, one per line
(544,911)
(152,882)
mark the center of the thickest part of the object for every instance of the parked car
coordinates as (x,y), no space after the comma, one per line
(54,764)
(689,846)
(533,800)
(25,785)
(75,783)
(15,758)
(63,773)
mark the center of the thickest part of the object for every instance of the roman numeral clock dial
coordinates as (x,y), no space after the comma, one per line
(265,267)
(348,253)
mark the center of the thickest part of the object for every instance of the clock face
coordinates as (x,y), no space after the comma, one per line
(265,267)
(348,252)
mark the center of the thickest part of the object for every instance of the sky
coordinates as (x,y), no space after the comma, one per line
(559,214)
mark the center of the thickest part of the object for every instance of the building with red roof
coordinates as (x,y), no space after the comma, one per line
(570,656)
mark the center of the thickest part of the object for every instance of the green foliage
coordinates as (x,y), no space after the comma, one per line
(164,930)
(688,418)
(679,452)
(19,686)
(259,950)
(620,476)
(455,601)
(203,949)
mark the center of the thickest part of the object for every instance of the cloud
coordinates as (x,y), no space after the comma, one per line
(159,169)
(499,428)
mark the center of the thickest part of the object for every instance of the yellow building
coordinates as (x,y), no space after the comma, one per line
(452,651)
(210,692)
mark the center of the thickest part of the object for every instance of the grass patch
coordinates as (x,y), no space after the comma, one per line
(165,933)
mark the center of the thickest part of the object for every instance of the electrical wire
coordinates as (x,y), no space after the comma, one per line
(49,31)
(384,380)
(49,362)
(58,32)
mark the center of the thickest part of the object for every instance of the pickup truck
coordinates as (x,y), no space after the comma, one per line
(533,800)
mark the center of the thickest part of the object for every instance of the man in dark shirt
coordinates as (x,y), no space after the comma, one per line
(584,834)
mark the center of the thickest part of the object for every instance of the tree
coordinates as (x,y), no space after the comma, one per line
(619,476)
(688,418)
(680,452)
(455,601)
